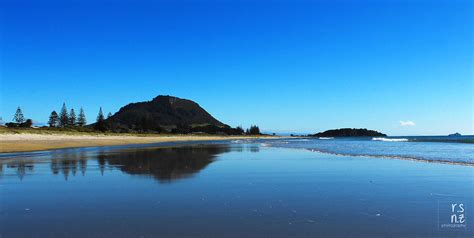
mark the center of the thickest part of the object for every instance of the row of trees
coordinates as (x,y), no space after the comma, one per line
(253,130)
(65,119)
(213,129)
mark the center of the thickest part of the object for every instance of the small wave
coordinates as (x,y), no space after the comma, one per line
(326,138)
(369,155)
(390,139)
(464,163)
(242,141)
(293,140)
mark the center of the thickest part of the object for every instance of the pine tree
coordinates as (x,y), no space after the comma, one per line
(100,117)
(253,130)
(239,130)
(109,115)
(72,118)
(19,118)
(81,120)
(53,119)
(100,123)
(63,116)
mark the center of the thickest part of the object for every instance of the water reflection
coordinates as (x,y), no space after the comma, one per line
(273,193)
(21,168)
(163,164)
(69,163)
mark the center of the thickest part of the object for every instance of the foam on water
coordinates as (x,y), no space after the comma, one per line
(390,139)
(407,148)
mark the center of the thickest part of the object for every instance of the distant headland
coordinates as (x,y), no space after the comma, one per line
(348,132)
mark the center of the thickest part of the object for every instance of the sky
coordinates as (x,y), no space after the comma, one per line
(399,67)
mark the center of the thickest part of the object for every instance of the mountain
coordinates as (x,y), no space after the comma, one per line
(167,113)
(348,132)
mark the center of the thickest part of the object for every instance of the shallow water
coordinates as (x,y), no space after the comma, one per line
(426,148)
(228,190)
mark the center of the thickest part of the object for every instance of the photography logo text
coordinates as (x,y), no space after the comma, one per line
(455,218)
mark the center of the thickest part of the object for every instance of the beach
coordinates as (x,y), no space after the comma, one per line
(25,142)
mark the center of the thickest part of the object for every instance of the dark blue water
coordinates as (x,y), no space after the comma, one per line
(427,148)
(229,190)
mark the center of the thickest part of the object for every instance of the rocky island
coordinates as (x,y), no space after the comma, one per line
(348,132)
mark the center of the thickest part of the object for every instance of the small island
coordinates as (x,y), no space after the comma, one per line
(348,132)
(455,134)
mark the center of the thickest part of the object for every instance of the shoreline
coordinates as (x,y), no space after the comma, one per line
(26,142)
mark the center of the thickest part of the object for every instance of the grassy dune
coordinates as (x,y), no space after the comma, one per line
(35,139)
(67,131)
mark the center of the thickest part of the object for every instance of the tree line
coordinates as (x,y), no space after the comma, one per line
(69,119)
(253,130)
(65,119)
(213,129)
(62,120)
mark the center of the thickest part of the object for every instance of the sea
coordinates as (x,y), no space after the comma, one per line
(449,149)
(289,187)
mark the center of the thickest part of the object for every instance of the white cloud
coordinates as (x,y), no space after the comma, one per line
(407,123)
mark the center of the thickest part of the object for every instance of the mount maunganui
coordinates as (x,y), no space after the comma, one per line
(167,113)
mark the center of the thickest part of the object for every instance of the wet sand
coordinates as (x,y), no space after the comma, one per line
(36,142)
(228,190)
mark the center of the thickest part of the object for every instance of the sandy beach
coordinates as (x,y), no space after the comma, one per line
(36,142)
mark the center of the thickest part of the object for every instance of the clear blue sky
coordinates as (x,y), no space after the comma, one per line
(299,66)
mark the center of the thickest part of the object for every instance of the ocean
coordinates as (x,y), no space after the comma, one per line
(354,187)
(448,149)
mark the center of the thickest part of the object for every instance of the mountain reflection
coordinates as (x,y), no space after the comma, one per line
(164,164)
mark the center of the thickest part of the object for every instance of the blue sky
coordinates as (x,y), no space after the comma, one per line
(295,66)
